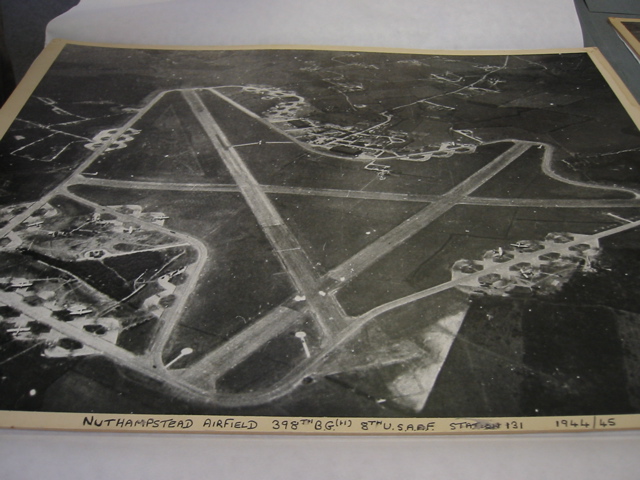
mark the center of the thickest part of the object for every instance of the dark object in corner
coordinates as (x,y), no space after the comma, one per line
(7,80)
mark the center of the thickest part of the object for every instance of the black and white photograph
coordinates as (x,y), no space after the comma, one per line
(321,233)
(629,30)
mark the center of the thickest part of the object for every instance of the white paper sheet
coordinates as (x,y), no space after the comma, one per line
(426,24)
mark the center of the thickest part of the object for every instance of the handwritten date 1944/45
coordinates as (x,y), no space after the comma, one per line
(585,423)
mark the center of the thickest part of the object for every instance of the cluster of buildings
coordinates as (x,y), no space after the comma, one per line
(527,266)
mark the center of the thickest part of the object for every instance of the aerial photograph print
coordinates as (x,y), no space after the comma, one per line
(306,232)
(629,30)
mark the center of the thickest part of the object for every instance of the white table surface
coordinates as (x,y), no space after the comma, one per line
(110,456)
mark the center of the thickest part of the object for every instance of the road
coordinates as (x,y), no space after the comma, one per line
(206,371)
(290,138)
(117,354)
(400,234)
(523,257)
(62,187)
(327,312)
(362,194)
(358,323)
(171,315)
